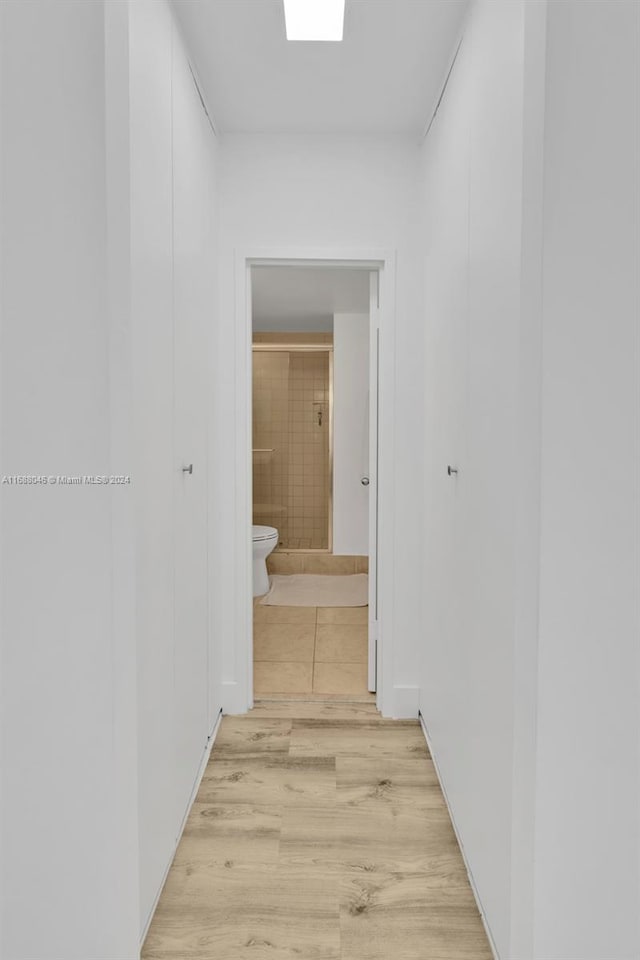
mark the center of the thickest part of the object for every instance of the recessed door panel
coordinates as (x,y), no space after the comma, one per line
(152,342)
(191,319)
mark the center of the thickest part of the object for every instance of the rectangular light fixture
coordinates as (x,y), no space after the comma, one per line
(314,19)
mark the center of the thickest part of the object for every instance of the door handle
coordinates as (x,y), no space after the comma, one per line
(188,469)
(365,481)
(451,471)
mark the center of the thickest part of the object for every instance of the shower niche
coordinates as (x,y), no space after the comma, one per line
(292,442)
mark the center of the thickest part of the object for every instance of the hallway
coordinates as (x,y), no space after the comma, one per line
(179,180)
(319,832)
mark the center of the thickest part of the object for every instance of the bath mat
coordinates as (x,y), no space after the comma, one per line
(317,590)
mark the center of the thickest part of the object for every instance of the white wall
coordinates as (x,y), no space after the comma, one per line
(173,310)
(350,433)
(152,306)
(587,882)
(69,866)
(530,658)
(108,300)
(473,226)
(327,192)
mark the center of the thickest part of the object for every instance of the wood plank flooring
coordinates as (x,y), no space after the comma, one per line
(319,833)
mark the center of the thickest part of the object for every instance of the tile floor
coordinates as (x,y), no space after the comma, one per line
(313,651)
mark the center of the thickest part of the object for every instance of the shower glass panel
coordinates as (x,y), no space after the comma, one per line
(292,444)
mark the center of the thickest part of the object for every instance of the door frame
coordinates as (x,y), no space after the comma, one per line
(384,262)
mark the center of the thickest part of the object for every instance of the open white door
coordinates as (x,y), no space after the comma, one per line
(374,369)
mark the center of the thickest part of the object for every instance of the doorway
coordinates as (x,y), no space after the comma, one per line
(311,603)
(374,478)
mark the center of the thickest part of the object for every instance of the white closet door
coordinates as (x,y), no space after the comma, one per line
(446,295)
(152,326)
(192,309)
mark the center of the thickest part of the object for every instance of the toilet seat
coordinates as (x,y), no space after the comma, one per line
(264,533)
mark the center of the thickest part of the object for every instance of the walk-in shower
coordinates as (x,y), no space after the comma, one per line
(292,442)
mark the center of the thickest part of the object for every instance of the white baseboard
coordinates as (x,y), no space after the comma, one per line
(472,882)
(203,763)
(406,702)
(233,699)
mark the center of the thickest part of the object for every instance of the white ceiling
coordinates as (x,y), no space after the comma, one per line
(305,298)
(384,77)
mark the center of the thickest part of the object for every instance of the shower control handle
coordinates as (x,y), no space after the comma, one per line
(365,481)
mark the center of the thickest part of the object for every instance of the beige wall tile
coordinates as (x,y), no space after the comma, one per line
(279,562)
(362,564)
(329,564)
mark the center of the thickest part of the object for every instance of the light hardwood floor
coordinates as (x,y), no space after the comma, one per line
(319,833)
(317,652)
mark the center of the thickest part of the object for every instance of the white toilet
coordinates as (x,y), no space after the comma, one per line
(265,539)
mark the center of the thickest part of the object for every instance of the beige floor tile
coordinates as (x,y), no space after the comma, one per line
(396,739)
(284,641)
(282,677)
(276,614)
(350,678)
(328,564)
(342,643)
(358,615)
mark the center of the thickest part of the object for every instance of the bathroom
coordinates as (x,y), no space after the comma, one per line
(311,475)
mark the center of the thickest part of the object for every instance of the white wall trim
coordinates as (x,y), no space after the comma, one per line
(196,786)
(406,701)
(232,698)
(467,865)
(365,258)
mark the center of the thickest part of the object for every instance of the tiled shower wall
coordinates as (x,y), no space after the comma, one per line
(291,442)
(309,451)
(271,440)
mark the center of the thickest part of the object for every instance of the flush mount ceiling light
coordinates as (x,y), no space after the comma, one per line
(314,19)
